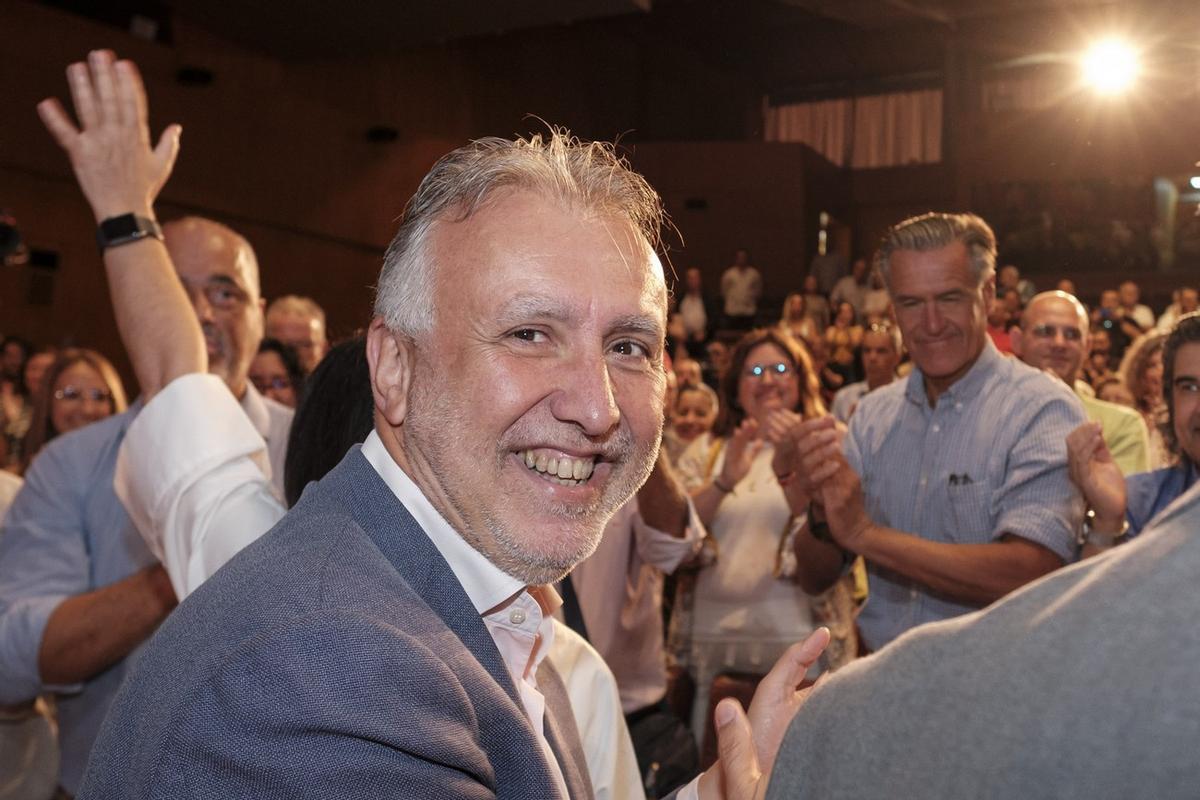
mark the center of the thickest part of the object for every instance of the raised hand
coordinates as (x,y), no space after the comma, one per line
(110,151)
(1097,476)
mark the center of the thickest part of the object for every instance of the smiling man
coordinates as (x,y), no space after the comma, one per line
(1052,337)
(400,614)
(953,484)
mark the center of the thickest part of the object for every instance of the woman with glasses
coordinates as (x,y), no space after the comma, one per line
(276,372)
(741,611)
(79,388)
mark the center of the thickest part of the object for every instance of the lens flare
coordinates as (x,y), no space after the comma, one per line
(1110,66)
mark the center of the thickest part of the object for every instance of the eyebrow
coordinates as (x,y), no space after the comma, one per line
(537,306)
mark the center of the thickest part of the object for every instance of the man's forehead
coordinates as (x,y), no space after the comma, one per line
(929,269)
(1054,307)
(534,247)
(205,254)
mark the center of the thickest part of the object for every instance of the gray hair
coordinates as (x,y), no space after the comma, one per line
(936,230)
(584,175)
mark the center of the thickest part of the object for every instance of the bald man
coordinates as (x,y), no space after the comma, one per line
(299,323)
(80,591)
(1053,336)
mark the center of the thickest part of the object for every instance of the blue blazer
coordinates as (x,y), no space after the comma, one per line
(336,657)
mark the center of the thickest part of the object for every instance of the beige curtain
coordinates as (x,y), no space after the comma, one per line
(825,126)
(876,131)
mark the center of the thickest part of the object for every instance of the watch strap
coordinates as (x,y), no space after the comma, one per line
(126,228)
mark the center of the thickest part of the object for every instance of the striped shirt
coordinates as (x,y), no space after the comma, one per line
(989,459)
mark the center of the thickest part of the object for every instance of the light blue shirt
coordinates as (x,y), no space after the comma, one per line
(989,459)
(1151,492)
(66,534)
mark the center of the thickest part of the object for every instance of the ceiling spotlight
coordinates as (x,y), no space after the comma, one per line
(1195,182)
(1110,66)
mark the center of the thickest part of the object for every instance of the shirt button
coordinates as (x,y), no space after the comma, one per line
(516,616)
(937,428)
(924,481)
(958,406)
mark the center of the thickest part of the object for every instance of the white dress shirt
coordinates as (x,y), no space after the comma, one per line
(521,626)
(193,474)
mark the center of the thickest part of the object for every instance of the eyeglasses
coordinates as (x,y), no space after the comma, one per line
(1051,331)
(266,384)
(880,327)
(776,370)
(74,393)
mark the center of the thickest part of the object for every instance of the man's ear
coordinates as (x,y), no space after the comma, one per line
(390,358)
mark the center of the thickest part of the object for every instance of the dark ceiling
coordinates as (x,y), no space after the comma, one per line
(786,47)
(294,29)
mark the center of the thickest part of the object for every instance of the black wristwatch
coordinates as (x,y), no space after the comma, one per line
(126,228)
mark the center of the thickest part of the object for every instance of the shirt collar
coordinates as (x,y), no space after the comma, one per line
(965,387)
(485,584)
(256,409)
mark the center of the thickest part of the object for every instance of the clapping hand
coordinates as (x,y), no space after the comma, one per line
(748,744)
(1096,475)
(743,448)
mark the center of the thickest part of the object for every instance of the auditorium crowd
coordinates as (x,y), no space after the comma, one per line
(906,437)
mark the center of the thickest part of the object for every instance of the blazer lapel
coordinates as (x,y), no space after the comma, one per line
(562,732)
(412,554)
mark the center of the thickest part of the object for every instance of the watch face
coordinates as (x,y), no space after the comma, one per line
(126,228)
(121,227)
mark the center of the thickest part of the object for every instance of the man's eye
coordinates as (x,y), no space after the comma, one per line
(630,348)
(1191,387)
(529,335)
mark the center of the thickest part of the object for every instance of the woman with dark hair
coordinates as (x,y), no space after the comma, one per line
(79,388)
(276,373)
(745,609)
(336,412)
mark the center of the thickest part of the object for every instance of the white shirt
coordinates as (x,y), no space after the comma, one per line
(620,594)
(192,473)
(597,707)
(198,494)
(521,626)
(741,288)
(695,318)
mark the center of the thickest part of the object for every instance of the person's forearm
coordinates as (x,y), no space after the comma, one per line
(968,573)
(662,501)
(155,318)
(818,564)
(90,632)
(706,499)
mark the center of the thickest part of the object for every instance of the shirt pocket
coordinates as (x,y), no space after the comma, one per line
(970,506)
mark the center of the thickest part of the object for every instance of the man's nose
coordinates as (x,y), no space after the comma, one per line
(586,396)
(204,310)
(934,321)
